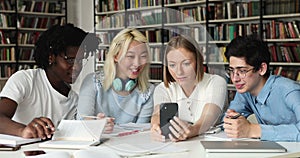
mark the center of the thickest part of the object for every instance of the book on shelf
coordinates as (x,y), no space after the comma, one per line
(76,134)
(11,140)
(147,18)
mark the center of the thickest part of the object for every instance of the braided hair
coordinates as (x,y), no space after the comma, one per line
(56,40)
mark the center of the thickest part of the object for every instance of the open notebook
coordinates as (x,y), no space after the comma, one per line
(242,146)
(14,141)
(76,134)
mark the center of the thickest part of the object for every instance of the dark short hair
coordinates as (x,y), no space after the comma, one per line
(56,40)
(252,48)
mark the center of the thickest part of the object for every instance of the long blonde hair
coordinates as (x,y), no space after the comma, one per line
(120,44)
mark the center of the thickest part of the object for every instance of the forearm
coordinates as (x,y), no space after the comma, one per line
(209,116)
(8,126)
(155,116)
(284,132)
(155,119)
(194,130)
(255,131)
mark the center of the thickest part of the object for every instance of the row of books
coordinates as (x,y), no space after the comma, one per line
(289,72)
(110,5)
(155,55)
(279,53)
(101,55)
(156,72)
(219,10)
(7,70)
(113,21)
(282,6)
(223,32)
(7,54)
(281,29)
(39,22)
(7,37)
(7,5)
(7,20)
(157,35)
(116,5)
(28,37)
(148,17)
(232,9)
(216,54)
(26,54)
(288,52)
(42,6)
(176,1)
(271,30)
(106,37)
(142,3)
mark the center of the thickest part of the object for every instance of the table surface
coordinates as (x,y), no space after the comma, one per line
(193,145)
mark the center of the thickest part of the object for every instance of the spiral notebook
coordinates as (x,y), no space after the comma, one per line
(242,147)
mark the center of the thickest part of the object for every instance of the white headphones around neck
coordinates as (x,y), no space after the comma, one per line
(123,85)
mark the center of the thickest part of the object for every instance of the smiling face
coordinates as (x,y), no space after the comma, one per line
(182,66)
(67,66)
(253,81)
(133,62)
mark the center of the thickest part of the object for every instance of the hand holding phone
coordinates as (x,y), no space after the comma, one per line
(167,112)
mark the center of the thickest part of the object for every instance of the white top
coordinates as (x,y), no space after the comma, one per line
(35,97)
(212,89)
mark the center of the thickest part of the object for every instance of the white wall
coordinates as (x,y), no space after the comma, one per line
(81,14)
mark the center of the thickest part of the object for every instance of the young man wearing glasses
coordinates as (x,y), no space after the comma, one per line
(275,100)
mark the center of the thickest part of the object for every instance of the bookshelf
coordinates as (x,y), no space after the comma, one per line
(21,23)
(213,23)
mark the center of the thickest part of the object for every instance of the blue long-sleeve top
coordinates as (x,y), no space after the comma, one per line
(277,108)
(137,107)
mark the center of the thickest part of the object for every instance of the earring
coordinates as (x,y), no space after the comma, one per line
(50,63)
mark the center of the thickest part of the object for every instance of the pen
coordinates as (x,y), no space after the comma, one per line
(232,117)
(90,117)
(235,116)
(128,133)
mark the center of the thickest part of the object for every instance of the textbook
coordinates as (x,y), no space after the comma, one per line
(76,134)
(14,141)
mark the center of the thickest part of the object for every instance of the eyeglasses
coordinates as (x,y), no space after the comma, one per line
(240,72)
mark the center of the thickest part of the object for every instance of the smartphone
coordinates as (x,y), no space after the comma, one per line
(34,152)
(167,112)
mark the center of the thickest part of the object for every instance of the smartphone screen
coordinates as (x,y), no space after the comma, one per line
(34,152)
(167,112)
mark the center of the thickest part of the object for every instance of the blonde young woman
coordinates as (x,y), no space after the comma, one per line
(122,92)
(200,96)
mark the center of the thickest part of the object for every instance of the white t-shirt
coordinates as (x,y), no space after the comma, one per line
(212,89)
(35,97)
